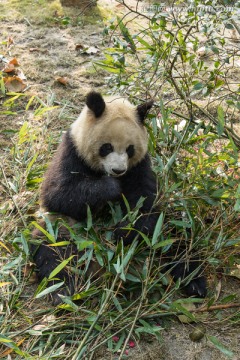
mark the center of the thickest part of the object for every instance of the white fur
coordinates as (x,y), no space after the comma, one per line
(115,161)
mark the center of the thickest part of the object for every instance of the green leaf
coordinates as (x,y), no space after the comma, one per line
(12,345)
(126,34)
(60,243)
(49,290)
(68,304)
(237,204)
(89,219)
(5,340)
(109,68)
(8,113)
(220,346)
(129,254)
(133,278)
(158,229)
(117,266)
(219,83)
(145,43)
(148,328)
(229,25)
(198,86)
(32,162)
(145,238)
(126,204)
(221,121)
(49,236)
(171,161)
(83,244)
(117,303)
(183,309)
(182,224)
(215,49)
(23,133)
(221,193)
(60,267)
(30,102)
(24,244)
(99,258)
(163,243)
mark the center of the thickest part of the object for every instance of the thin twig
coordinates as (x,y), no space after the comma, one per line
(217,307)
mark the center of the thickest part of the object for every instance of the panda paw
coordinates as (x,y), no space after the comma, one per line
(126,235)
(113,187)
(55,297)
(197,287)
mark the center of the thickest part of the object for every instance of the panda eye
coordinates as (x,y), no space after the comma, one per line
(105,149)
(130,151)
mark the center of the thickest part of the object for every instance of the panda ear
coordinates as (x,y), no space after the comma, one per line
(95,103)
(143,109)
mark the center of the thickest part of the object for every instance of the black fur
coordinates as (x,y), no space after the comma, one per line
(143,110)
(96,103)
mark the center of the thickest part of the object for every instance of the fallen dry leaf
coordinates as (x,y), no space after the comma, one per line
(14,84)
(46,321)
(62,80)
(14,62)
(9,351)
(39,327)
(79,47)
(9,68)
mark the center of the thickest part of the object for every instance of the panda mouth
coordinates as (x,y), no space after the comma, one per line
(117,173)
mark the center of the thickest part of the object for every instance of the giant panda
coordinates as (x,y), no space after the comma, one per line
(103,156)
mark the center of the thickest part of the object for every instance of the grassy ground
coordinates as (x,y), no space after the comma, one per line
(50,44)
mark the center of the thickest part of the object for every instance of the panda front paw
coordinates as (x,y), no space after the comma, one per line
(197,287)
(122,232)
(55,297)
(113,187)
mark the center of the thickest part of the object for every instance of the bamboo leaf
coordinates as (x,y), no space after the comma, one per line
(126,34)
(220,346)
(158,229)
(60,267)
(50,237)
(221,121)
(49,290)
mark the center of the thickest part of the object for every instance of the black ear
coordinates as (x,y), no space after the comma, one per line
(142,110)
(95,103)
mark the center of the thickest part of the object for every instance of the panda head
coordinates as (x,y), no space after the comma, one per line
(109,134)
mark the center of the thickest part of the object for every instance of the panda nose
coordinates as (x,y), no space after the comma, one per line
(118,172)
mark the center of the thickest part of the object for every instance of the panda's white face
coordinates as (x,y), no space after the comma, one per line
(115,163)
(109,134)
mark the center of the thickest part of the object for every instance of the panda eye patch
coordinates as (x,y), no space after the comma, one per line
(130,151)
(105,149)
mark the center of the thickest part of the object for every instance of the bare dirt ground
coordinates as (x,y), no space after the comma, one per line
(48,50)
